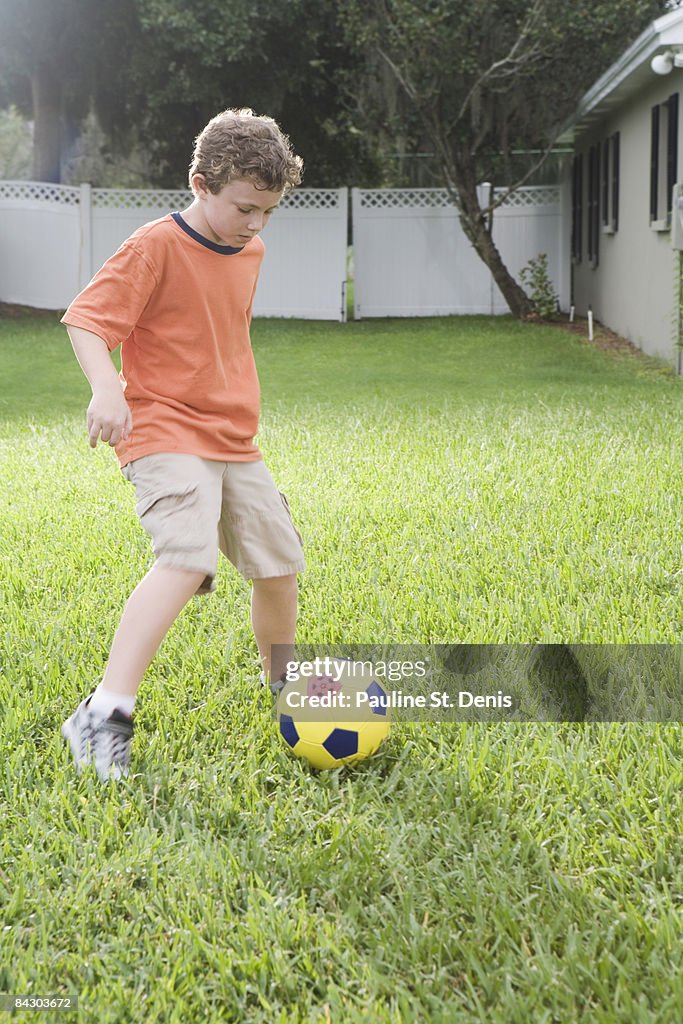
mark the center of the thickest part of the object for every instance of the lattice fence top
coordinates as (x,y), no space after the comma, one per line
(140,198)
(404,198)
(40,191)
(299,199)
(313,199)
(153,198)
(438,198)
(169,199)
(541,195)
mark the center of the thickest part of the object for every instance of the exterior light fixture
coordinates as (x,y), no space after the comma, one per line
(664,63)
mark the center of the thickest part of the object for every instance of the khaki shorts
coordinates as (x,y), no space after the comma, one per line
(192,507)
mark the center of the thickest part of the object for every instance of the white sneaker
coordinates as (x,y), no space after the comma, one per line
(276,685)
(104,742)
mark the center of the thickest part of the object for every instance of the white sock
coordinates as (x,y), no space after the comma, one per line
(265,681)
(104,701)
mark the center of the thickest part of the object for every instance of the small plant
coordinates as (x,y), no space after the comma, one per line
(678,307)
(536,280)
(16,145)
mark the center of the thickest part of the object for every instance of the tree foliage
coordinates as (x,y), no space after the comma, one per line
(56,57)
(280,57)
(15,145)
(475,80)
(156,70)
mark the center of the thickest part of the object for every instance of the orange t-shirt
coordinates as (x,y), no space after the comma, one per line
(180,307)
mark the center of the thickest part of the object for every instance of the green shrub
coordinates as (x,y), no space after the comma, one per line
(539,287)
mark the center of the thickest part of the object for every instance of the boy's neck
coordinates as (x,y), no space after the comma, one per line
(193,216)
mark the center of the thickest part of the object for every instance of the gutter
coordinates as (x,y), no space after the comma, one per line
(629,73)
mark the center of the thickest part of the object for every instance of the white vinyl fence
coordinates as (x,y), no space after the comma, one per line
(54,237)
(412,258)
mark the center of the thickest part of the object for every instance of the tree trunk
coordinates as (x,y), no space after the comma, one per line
(478,232)
(47,124)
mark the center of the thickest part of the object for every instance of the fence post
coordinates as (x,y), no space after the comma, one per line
(355,249)
(565,243)
(85,222)
(485,196)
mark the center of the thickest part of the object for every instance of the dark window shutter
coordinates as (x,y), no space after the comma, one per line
(577,206)
(615,181)
(654,162)
(575,203)
(605,182)
(593,203)
(671,148)
(591,181)
(596,204)
(580,237)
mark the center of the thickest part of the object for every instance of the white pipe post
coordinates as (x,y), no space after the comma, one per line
(85,269)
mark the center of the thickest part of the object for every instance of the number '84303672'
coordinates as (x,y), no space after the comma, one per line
(32,1002)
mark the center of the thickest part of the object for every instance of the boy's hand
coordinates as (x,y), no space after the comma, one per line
(108,413)
(109,417)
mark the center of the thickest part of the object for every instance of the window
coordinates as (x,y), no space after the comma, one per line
(594,204)
(577,208)
(663,160)
(610,184)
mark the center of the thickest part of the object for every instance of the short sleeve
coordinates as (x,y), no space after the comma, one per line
(112,303)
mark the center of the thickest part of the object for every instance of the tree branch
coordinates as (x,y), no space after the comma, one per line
(511,62)
(409,88)
(499,200)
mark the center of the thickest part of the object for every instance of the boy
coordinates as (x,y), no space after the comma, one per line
(182,417)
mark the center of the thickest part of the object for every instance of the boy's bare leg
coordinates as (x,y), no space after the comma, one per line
(273,619)
(150,611)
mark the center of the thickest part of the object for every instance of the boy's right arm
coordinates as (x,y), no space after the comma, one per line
(108,413)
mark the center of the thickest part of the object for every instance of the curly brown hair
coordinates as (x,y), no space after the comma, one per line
(242,144)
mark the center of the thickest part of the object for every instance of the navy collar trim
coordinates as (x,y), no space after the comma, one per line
(224,250)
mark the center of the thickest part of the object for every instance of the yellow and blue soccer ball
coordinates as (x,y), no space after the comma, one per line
(336,720)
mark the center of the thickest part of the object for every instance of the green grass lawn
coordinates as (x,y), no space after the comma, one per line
(464,480)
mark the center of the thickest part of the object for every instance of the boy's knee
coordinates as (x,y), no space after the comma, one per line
(277,584)
(193,580)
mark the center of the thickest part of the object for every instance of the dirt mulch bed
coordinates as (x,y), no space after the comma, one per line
(603,337)
(13,311)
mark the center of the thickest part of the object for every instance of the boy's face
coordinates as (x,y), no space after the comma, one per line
(235,214)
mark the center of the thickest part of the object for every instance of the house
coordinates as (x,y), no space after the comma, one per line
(627,160)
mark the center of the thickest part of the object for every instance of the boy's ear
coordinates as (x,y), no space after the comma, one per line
(199,186)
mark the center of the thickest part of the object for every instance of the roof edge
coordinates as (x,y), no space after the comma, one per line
(639,52)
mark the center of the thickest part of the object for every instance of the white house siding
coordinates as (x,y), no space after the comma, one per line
(632,289)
